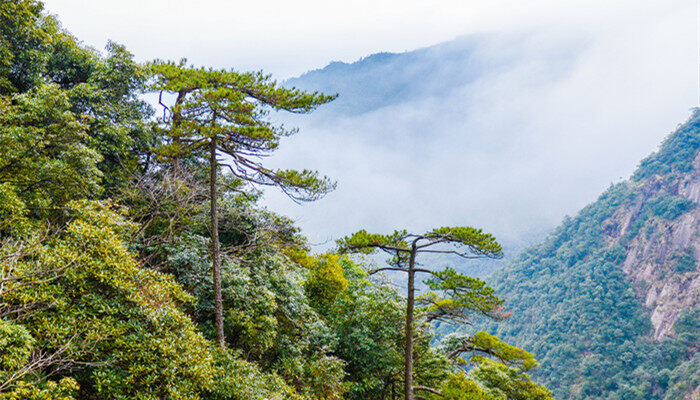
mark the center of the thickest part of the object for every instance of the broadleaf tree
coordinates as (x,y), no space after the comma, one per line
(221,118)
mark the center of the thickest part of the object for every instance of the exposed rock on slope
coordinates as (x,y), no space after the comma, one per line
(610,302)
(659,262)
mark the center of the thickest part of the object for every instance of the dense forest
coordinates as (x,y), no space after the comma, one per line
(609,302)
(138,263)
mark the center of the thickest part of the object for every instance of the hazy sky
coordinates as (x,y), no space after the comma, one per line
(590,88)
(287,38)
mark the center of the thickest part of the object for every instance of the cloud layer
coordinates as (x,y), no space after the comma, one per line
(526,119)
(553,116)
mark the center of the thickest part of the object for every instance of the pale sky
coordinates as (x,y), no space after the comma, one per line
(287,38)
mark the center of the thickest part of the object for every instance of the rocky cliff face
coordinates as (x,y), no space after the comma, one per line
(609,303)
(661,260)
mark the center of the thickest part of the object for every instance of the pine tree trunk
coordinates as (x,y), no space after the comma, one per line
(410,299)
(215,248)
(177,118)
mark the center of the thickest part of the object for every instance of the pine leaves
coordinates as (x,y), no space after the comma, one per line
(229,110)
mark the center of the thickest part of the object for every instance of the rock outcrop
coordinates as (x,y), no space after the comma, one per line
(609,303)
(658,259)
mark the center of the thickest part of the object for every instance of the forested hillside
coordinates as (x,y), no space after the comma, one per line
(609,302)
(136,261)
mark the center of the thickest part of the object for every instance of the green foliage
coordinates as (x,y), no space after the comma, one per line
(104,242)
(15,347)
(485,343)
(368,320)
(268,316)
(99,93)
(563,287)
(669,207)
(492,381)
(368,243)
(504,382)
(459,296)
(22,44)
(13,211)
(455,299)
(685,261)
(460,387)
(325,280)
(270,319)
(108,100)
(71,123)
(237,379)
(479,243)
(676,154)
(683,379)
(64,389)
(83,298)
(574,308)
(46,161)
(229,110)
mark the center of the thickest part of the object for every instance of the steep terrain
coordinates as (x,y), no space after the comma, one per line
(609,302)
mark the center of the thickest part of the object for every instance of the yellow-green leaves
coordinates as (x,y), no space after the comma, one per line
(81,295)
(64,389)
(475,242)
(22,39)
(303,185)
(483,344)
(459,387)
(44,158)
(492,380)
(15,347)
(504,382)
(325,280)
(237,379)
(508,354)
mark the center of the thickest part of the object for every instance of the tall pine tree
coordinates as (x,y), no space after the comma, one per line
(220,118)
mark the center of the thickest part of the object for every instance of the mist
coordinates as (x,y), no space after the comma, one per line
(524,119)
(507,131)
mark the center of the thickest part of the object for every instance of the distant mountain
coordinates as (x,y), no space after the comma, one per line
(508,133)
(386,79)
(609,301)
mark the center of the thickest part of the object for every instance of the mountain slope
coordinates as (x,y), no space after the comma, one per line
(609,302)
(385,79)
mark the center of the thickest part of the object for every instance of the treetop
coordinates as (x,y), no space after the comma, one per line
(258,86)
(478,243)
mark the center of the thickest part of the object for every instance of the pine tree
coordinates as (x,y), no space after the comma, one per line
(220,118)
(462,295)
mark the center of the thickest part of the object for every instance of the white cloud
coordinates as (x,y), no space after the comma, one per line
(570,112)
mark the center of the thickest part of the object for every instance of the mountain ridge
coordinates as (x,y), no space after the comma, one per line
(609,301)
(361,91)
